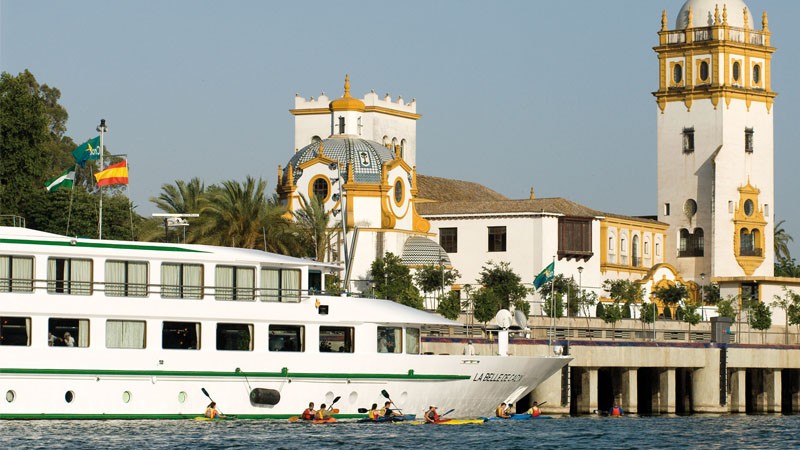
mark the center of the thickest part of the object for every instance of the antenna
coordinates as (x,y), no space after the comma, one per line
(521,319)
(503,318)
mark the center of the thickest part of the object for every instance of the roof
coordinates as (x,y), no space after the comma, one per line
(421,251)
(703,13)
(556,205)
(366,156)
(448,190)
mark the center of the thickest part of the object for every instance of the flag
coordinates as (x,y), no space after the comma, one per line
(65,180)
(545,275)
(114,174)
(86,151)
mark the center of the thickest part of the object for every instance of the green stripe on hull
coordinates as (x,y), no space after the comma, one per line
(100,245)
(153,416)
(283,374)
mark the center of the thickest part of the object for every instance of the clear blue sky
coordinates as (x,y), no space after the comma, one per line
(514,94)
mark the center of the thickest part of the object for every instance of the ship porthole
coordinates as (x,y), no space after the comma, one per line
(126,396)
(69,396)
(10,396)
(181,397)
(353,397)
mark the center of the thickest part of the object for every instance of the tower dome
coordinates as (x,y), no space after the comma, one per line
(703,12)
(367,157)
(347,102)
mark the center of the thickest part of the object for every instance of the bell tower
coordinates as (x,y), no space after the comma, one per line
(715,140)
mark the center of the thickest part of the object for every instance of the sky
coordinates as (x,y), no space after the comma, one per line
(513,95)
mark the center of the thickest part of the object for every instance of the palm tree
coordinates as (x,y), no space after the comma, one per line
(313,220)
(234,214)
(180,198)
(782,239)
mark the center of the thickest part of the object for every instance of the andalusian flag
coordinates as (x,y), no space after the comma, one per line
(66,180)
(86,151)
(545,275)
(114,174)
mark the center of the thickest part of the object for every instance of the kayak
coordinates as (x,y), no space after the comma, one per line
(517,417)
(389,419)
(215,418)
(321,421)
(449,422)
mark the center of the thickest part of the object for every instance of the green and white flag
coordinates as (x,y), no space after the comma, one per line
(65,180)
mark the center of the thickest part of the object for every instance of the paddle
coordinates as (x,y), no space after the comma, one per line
(205,392)
(386,394)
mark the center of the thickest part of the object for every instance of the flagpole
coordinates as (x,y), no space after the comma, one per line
(552,307)
(102,128)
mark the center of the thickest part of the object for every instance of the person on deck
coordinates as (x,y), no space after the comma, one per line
(535,411)
(616,410)
(387,411)
(322,413)
(308,413)
(374,413)
(469,350)
(212,412)
(431,416)
(69,341)
(502,412)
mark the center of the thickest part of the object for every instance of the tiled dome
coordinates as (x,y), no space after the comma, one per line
(367,157)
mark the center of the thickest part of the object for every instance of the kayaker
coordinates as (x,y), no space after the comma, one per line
(374,413)
(431,416)
(502,412)
(322,413)
(308,413)
(535,411)
(211,411)
(616,410)
(387,411)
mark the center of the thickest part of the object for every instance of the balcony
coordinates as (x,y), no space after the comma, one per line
(690,253)
(751,252)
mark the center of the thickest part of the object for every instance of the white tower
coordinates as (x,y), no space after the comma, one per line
(715,141)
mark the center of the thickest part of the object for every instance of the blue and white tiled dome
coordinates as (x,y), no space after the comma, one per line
(367,157)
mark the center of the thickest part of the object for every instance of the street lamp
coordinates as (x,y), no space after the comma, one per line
(702,299)
(102,129)
(580,293)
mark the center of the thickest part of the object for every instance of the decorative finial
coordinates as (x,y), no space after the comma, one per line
(744,12)
(716,14)
(689,18)
(664,20)
(347,85)
(321,151)
(764,22)
(533,197)
(724,13)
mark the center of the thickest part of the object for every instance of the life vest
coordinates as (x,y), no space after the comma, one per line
(616,411)
(320,414)
(536,412)
(430,415)
(211,412)
(374,414)
(308,414)
(500,412)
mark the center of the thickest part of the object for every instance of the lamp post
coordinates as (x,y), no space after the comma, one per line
(702,299)
(343,209)
(580,293)
(102,128)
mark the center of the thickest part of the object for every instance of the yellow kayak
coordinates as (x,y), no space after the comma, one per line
(447,422)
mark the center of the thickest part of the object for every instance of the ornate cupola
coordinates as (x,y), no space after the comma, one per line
(346,113)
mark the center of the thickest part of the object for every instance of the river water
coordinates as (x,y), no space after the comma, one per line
(707,432)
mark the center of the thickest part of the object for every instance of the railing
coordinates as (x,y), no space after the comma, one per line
(690,252)
(751,252)
(702,34)
(676,37)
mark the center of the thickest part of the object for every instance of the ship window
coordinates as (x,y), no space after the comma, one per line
(15,331)
(235,336)
(69,276)
(181,280)
(412,341)
(68,332)
(497,239)
(390,340)
(235,283)
(280,285)
(336,339)
(286,338)
(126,279)
(125,333)
(448,239)
(180,335)
(16,274)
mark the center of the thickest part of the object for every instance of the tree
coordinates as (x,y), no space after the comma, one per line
(612,313)
(450,305)
(625,293)
(786,267)
(671,294)
(561,287)
(312,220)
(485,303)
(505,284)
(691,316)
(786,302)
(647,313)
(180,198)
(760,317)
(781,241)
(711,294)
(393,281)
(433,277)
(725,308)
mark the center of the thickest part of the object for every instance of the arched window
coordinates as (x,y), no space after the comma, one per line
(691,244)
(757,74)
(636,262)
(315,139)
(403,148)
(321,188)
(746,246)
(385,141)
(677,74)
(683,245)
